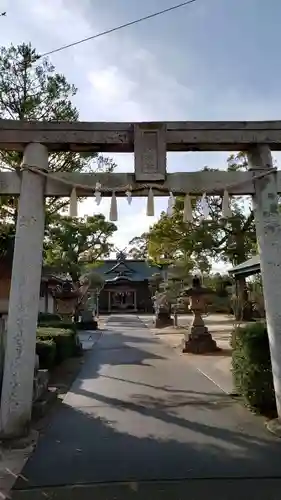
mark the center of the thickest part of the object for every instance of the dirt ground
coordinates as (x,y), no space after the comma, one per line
(216,366)
(219,325)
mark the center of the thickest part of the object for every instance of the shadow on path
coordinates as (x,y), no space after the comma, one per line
(137,414)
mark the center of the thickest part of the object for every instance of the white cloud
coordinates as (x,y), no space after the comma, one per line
(109,82)
(112,90)
(120,80)
(132,219)
(137,89)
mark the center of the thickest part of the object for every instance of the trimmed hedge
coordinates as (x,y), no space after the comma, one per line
(251,367)
(58,325)
(46,350)
(64,339)
(44,317)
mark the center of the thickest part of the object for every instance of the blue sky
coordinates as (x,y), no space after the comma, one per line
(211,60)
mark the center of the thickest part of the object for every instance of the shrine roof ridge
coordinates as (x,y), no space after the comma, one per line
(140,269)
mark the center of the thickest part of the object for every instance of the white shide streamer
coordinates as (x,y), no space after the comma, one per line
(73,209)
(205,207)
(128,194)
(97,193)
(226,208)
(171,205)
(113,213)
(187,209)
(150,203)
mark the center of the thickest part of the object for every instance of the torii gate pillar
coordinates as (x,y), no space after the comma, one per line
(268,228)
(17,388)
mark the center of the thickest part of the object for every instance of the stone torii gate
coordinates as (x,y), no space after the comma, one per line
(149,142)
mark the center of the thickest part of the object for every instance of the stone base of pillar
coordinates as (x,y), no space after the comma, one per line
(29,440)
(199,341)
(274,426)
(40,384)
(87,325)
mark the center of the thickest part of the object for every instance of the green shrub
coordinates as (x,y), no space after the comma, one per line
(58,324)
(87,325)
(65,340)
(251,366)
(219,305)
(46,350)
(44,317)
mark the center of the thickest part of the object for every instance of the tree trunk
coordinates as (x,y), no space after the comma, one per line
(244,310)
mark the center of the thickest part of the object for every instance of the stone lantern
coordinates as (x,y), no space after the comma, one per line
(68,297)
(66,301)
(198,339)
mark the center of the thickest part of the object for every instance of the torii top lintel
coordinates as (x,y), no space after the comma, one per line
(122,137)
(149,141)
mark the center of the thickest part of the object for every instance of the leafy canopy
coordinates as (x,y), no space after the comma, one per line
(201,241)
(71,243)
(31,89)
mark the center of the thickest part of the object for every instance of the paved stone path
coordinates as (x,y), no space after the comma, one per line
(138,414)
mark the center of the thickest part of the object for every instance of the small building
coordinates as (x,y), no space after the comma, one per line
(126,285)
(247,268)
(48,284)
(249,295)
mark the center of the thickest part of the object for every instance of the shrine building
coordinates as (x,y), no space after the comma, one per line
(126,285)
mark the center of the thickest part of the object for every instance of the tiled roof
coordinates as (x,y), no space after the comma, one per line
(251,266)
(133,270)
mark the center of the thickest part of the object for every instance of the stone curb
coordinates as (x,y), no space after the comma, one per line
(21,443)
(15,454)
(274,426)
(13,459)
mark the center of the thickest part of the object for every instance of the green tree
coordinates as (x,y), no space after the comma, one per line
(231,240)
(139,247)
(170,240)
(239,238)
(178,277)
(219,283)
(71,243)
(31,89)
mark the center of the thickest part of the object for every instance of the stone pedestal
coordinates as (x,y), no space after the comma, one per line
(40,384)
(163,319)
(87,321)
(198,339)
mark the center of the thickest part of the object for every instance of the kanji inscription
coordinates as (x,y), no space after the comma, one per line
(150,152)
